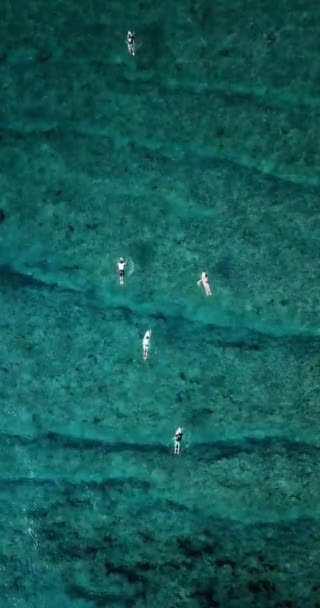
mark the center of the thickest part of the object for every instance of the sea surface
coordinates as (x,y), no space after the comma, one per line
(199,154)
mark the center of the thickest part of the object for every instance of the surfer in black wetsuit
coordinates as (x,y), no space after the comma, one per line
(130,43)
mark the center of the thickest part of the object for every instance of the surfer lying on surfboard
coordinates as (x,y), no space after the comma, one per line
(131,43)
(146,344)
(121,266)
(205,283)
(177,440)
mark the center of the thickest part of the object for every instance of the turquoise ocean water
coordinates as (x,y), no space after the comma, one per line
(201,153)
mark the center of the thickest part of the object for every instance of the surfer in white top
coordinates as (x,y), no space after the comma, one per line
(146,343)
(121,266)
(205,283)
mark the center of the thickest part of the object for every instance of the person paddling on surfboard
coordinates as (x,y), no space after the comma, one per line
(146,344)
(121,266)
(177,440)
(205,283)
(131,43)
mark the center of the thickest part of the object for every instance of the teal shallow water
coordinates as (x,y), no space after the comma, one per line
(191,157)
